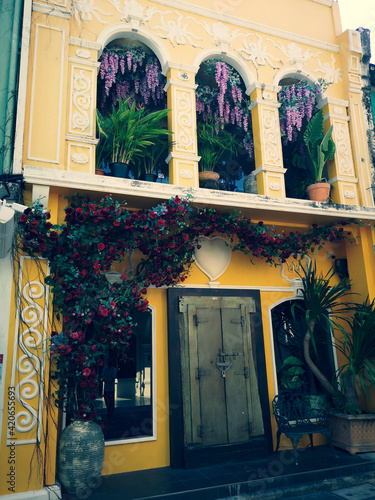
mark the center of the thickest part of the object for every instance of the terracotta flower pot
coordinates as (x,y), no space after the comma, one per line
(99,171)
(209,179)
(319,191)
(355,434)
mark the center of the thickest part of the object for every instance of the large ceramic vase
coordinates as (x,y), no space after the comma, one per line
(319,191)
(80,457)
(209,179)
(119,169)
(354,433)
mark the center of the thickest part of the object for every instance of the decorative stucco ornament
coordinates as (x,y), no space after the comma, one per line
(83,10)
(213,257)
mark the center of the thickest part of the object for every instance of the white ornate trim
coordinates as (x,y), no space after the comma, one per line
(180,83)
(268,103)
(263,168)
(184,173)
(81,103)
(237,21)
(275,186)
(182,156)
(27,367)
(213,257)
(83,53)
(34,84)
(82,159)
(85,62)
(232,58)
(78,138)
(143,35)
(88,44)
(51,10)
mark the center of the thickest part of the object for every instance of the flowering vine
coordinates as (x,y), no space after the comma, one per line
(96,316)
(298,102)
(224,101)
(130,73)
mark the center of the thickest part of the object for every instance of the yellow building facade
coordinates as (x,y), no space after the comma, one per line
(302,39)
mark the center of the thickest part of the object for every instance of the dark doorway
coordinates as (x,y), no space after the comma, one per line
(218,386)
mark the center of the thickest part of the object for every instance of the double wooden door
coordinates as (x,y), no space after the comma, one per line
(221,403)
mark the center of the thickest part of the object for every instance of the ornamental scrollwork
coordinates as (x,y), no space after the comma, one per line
(344,161)
(294,53)
(84,10)
(31,344)
(133,12)
(271,135)
(82,98)
(329,72)
(257,54)
(173,30)
(184,120)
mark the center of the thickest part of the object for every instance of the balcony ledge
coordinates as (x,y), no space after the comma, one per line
(146,194)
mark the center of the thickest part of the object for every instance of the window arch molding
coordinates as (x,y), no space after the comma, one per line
(230,58)
(142,35)
(298,75)
(269,314)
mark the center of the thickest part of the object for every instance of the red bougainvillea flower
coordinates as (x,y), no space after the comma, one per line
(86,372)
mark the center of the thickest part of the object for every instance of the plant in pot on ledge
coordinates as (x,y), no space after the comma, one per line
(152,158)
(320,148)
(127,132)
(351,429)
(212,144)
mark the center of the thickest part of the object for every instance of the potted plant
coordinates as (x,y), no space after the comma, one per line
(320,148)
(352,428)
(151,158)
(213,142)
(127,132)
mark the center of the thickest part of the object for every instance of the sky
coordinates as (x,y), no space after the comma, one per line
(359,14)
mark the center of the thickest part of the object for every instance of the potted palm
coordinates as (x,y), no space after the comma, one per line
(320,148)
(152,157)
(125,134)
(351,429)
(213,142)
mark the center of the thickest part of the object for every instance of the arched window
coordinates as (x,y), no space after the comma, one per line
(130,71)
(298,100)
(289,328)
(224,131)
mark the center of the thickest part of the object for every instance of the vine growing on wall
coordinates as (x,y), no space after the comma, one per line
(97,316)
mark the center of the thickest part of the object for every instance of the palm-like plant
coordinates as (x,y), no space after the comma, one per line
(358,346)
(322,304)
(128,131)
(320,146)
(212,144)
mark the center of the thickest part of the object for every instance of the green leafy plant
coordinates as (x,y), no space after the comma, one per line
(153,155)
(292,373)
(320,146)
(212,144)
(358,346)
(322,304)
(128,131)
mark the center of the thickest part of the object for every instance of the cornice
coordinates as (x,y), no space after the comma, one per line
(51,10)
(279,210)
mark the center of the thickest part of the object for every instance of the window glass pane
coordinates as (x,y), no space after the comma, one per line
(125,407)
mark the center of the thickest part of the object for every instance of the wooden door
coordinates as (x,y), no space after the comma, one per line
(220,391)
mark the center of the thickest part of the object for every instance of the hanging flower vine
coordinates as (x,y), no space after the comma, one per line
(298,102)
(224,101)
(130,73)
